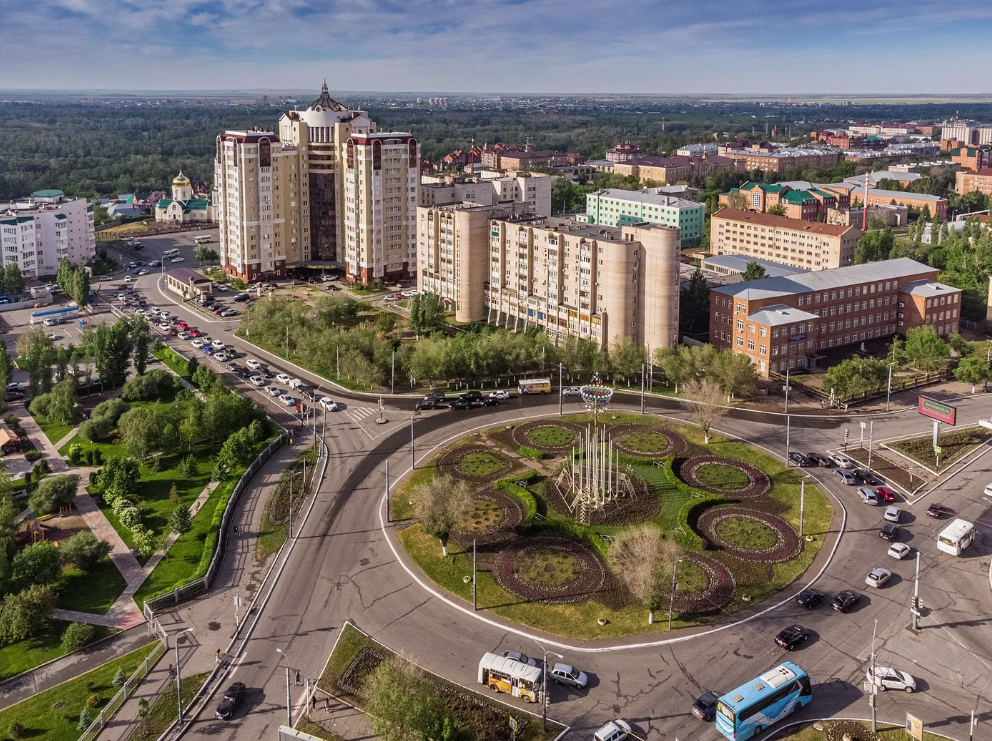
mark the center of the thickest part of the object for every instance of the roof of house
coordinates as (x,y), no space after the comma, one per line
(187,275)
(197,204)
(645,196)
(163,203)
(797,196)
(928,288)
(901,194)
(51,193)
(740,263)
(766,187)
(782,222)
(772,316)
(819,280)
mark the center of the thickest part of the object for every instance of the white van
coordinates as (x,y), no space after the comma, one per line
(203,239)
(294,383)
(170,253)
(956,537)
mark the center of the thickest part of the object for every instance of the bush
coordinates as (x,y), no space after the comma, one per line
(89,456)
(16,730)
(38,563)
(76,636)
(26,613)
(96,430)
(528,452)
(523,496)
(111,409)
(75,454)
(152,385)
(92,701)
(53,493)
(97,457)
(33,455)
(84,550)
(39,405)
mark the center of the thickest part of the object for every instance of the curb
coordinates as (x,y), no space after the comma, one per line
(811,721)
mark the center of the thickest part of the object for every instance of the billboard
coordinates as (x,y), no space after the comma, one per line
(914,727)
(938,411)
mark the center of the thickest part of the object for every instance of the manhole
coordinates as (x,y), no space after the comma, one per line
(363,562)
(213,626)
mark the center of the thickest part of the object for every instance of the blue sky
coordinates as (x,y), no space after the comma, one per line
(568,46)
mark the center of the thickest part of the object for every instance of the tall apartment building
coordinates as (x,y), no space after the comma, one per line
(323,128)
(381,182)
(261,201)
(801,244)
(972,158)
(37,232)
(615,207)
(968,181)
(784,322)
(569,278)
(522,192)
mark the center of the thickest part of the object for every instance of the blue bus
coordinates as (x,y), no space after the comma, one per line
(748,710)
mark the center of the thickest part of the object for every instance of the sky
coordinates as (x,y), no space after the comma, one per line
(558,46)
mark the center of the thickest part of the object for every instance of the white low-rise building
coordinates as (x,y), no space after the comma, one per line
(36,233)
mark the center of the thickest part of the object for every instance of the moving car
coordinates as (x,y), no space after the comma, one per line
(569,675)
(522,658)
(410,292)
(799,459)
(937,510)
(230,701)
(327,404)
(704,707)
(501,394)
(867,495)
(426,405)
(571,391)
(471,396)
(178,259)
(273,390)
(437,396)
(819,460)
(887,494)
(846,477)
(878,577)
(295,383)
(283,379)
(892,514)
(899,551)
(253,364)
(887,678)
(241,297)
(490,401)
(287,400)
(789,638)
(843,461)
(461,404)
(889,532)
(845,600)
(867,477)
(615,730)
(809,598)
(256,381)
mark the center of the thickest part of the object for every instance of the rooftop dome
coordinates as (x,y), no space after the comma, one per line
(180,180)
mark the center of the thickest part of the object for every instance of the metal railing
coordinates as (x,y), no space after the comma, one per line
(898,384)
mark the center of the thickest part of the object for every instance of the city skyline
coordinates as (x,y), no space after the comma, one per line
(493,46)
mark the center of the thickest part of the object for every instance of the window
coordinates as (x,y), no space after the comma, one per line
(740,342)
(740,325)
(750,328)
(750,345)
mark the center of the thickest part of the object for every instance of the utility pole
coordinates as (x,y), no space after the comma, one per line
(560,395)
(871,432)
(788,424)
(289,705)
(916,595)
(671,598)
(287,342)
(874,688)
(413,454)
(642,388)
(337,362)
(802,505)
(475,599)
(888,393)
(786,390)
(179,683)
(392,374)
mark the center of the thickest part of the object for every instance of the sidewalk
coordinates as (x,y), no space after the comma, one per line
(341,719)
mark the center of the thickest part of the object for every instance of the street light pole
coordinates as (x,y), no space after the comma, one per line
(788,425)
(642,388)
(413,454)
(786,390)
(671,598)
(179,676)
(916,595)
(475,597)
(802,505)
(289,700)
(888,392)
(873,696)
(871,432)
(560,394)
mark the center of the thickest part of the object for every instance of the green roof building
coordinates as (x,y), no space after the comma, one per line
(617,208)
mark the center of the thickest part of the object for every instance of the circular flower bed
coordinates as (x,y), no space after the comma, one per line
(476,463)
(714,595)
(493,519)
(549,569)
(787,543)
(644,441)
(548,437)
(696,471)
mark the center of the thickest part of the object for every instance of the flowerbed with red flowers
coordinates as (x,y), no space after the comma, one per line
(788,545)
(759,484)
(590,578)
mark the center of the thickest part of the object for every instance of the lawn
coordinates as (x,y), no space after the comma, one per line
(275,525)
(954,444)
(550,436)
(860,731)
(480,464)
(722,477)
(746,533)
(23,655)
(164,711)
(173,361)
(54,431)
(54,713)
(94,592)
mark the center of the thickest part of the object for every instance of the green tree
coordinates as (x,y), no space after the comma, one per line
(897,351)
(112,347)
(735,373)
(76,636)
(6,365)
(81,287)
(856,376)
(38,563)
(753,271)
(144,540)
(925,349)
(206,254)
(959,345)
(777,210)
(119,677)
(426,312)
(627,356)
(13,281)
(139,431)
(973,369)
(874,246)
(63,404)
(118,477)
(85,719)
(440,505)
(63,275)
(52,493)
(84,550)
(139,331)
(26,613)
(694,305)
(180,521)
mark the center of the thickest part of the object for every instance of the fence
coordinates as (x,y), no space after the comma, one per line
(898,384)
(124,693)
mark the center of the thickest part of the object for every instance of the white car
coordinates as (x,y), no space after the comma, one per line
(154,310)
(878,578)
(198,343)
(220,357)
(219,344)
(142,272)
(256,381)
(253,364)
(273,390)
(892,513)
(183,335)
(867,495)
(139,312)
(899,551)
(988,490)
(164,326)
(178,259)
(501,394)
(410,292)
(571,391)
(283,379)
(328,404)
(127,278)
(615,730)
(52,336)
(887,678)
(843,461)
(220,287)
(287,400)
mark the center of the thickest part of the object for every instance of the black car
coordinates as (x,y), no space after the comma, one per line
(789,638)
(230,701)
(799,459)
(13,396)
(845,600)
(937,510)
(461,404)
(867,477)
(819,460)
(489,401)
(889,532)
(436,396)
(809,598)
(426,404)
(471,396)
(705,706)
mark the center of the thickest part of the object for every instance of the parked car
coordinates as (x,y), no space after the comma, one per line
(846,477)
(183,335)
(571,391)
(988,490)
(273,390)
(892,514)
(164,315)
(889,532)
(230,701)
(899,551)
(287,400)
(878,577)
(569,675)
(704,707)
(13,395)
(867,495)
(615,730)
(500,394)
(819,460)
(522,658)
(220,287)
(843,461)
(228,313)
(390,299)
(887,678)
(197,343)
(194,332)
(221,357)
(241,297)
(799,459)
(867,477)
(809,598)
(937,510)
(845,600)
(789,638)
(887,494)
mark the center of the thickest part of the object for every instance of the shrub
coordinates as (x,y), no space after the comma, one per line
(92,701)
(26,613)
(111,409)
(38,563)
(39,405)
(85,719)
(75,454)
(127,512)
(523,496)
(84,550)
(76,636)
(187,467)
(119,678)
(152,385)
(528,452)
(96,430)
(53,493)
(33,455)
(12,420)
(97,457)
(89,456)
(16,730)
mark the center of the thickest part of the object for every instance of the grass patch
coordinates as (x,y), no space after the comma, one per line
(551,436)
(692,578)
(646,442)
(174,362)
(316,730)
(746,533)
(722,477)
(861,732)
(480,464)
(54,713)
(547,568)
(92,592)
(31,652)
(954,445)
(54,431)
(275,524)
(164,711)
(485,514)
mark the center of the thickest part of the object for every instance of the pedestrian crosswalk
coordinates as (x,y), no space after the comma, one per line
(360,413)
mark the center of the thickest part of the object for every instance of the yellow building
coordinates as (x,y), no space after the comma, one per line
(184,207)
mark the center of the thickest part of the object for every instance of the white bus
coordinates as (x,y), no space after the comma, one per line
(956,537)
(534,386)
(170,253)
(513,677)
(203,239)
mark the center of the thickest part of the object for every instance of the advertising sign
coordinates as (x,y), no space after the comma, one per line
(914,727)
(938,411)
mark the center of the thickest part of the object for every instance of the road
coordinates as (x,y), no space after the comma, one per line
(343,567)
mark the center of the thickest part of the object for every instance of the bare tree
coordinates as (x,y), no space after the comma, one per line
(441,505)
(704,404)
(639,556)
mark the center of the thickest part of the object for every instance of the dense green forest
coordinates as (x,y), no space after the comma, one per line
(87,149)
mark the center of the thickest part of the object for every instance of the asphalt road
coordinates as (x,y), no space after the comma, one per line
(343,568)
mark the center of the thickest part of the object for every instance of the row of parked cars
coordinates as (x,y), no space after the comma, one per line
(438,399)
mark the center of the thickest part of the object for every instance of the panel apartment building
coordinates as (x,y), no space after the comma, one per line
(795,242)
(569,278)
(758,157)
(37,232)
(617,208)
(783,323)
(523,192)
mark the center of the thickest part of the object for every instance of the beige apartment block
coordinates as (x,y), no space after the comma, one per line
(261,203)
(524,192)
(795,242)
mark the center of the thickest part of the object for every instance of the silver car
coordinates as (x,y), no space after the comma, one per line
(892,513)
(565,674)
(522,658)
(887,678)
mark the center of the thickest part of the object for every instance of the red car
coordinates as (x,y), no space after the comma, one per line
(183,326)
(194,332)
(887,494)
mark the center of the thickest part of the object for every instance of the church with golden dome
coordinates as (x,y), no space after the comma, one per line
(184,207)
